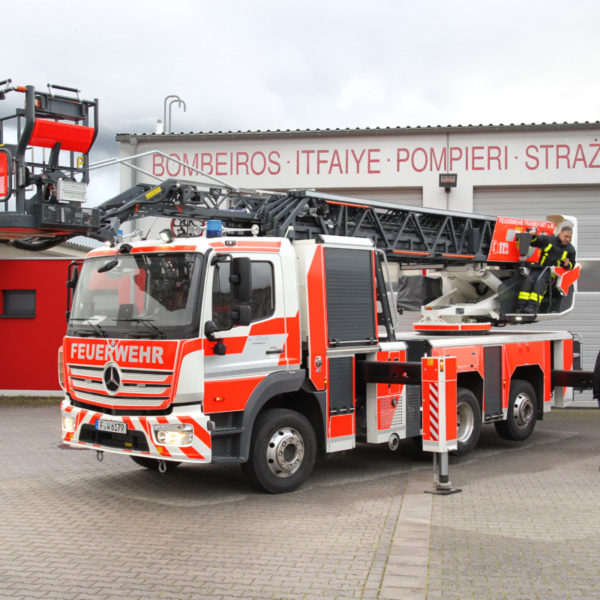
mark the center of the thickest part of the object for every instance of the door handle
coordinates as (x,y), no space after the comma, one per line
(274,351)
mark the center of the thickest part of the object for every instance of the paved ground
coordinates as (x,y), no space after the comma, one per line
(526,526)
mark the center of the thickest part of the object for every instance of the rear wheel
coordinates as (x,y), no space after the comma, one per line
(152,463)
(522,412)
(468,421)
(282,452)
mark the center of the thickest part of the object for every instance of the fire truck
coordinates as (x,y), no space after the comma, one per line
(266,332)
(261,328)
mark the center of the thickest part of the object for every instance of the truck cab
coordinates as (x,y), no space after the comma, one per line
(176,351)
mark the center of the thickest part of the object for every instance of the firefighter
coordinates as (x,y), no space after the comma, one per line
(556,251)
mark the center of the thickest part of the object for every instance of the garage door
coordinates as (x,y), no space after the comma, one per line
(582,202)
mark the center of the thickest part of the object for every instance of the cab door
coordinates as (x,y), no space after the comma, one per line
(239,357)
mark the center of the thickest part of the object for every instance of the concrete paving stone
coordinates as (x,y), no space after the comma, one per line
(415,580)
(113,530)
(404,570)
(416,563)
(401,593)
(412,543)
(400,552)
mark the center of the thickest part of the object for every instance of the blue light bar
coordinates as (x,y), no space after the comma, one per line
(214,228)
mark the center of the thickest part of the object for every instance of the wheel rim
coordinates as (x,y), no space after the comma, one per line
(523,410)
(285,452)
(465,422)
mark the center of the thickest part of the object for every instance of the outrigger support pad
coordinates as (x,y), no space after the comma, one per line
(441,476)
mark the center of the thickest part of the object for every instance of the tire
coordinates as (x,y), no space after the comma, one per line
(468,421)
(282,451)
(522,412)
(152,464)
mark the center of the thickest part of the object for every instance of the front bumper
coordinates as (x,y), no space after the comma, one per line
(139,439)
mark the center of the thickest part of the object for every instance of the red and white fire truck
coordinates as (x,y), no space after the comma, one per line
(262,328)
(273,348)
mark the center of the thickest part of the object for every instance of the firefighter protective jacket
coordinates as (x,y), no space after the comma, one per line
(553,251)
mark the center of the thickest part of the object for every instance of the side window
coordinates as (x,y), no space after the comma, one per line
(262,300)
(221,296)
(263,297)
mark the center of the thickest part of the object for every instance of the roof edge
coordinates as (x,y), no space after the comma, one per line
(375,131)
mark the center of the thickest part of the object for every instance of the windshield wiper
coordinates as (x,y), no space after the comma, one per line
(148,323)
(95,327)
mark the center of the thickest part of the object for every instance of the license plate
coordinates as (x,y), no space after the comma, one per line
(112,426)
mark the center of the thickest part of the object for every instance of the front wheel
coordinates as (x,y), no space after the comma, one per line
(522,412)
(282,452)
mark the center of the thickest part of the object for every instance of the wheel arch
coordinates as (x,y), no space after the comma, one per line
(284,390)
(472,381)
(534,375)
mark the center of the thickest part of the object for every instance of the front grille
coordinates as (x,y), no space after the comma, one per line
(126,388)
(132,440)
(138,389)
(119,400)
(117,412)
(95,372)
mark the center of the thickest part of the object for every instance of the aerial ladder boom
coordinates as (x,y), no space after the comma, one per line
(404,233)
(477,256)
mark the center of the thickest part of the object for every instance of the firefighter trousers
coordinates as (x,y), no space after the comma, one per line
(533,289)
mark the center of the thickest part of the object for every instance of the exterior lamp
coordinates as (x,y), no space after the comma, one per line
(166,235)
(448,180)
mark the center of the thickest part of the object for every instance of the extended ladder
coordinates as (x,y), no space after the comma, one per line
(404,233)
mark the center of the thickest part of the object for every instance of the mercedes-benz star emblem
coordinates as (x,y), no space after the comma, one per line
(112,378)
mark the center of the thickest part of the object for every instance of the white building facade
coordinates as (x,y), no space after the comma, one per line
(514,170)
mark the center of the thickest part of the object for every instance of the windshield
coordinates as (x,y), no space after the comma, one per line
(138,295)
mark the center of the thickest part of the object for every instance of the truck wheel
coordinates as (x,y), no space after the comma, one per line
(468,421)
(152,464)
(522,412)
(282,452)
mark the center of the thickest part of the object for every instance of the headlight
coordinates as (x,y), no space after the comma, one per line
(68,423)
(174,434)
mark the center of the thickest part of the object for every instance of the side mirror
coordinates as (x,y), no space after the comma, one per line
(72,279)
(210,328)
(72,283)
(240,279)
(241,314)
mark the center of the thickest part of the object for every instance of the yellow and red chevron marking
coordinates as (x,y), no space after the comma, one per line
(434,415)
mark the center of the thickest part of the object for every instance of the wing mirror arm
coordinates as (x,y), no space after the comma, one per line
(210,328)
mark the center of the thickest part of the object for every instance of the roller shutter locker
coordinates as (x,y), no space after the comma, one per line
(408,196)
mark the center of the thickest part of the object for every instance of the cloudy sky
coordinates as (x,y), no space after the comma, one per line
(278,64)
